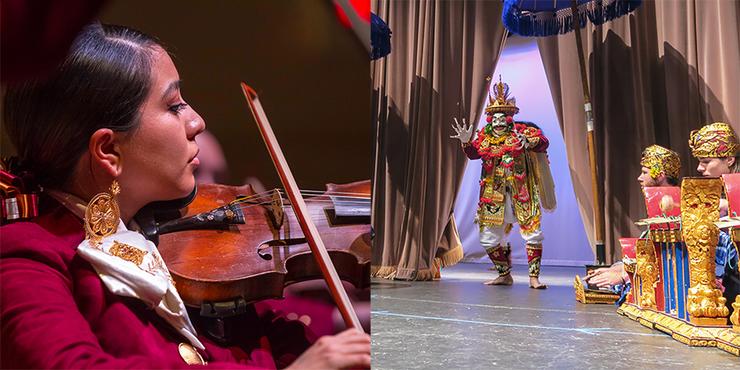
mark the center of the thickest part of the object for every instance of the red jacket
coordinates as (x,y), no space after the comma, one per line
(55,312)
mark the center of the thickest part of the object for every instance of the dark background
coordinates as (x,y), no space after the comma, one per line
(311,73)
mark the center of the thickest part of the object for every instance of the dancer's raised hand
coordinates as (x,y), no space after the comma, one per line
(463,132)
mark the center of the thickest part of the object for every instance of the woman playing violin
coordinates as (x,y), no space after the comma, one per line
(106,134)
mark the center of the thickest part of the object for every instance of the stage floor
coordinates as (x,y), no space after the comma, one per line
(459,323)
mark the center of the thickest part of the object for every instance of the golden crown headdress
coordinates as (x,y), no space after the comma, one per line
(716,140)
(500,102)
(661,160)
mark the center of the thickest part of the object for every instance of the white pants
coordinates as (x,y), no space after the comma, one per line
(492,236)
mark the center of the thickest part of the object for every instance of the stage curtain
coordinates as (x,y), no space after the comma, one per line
(442,52)
(655,74)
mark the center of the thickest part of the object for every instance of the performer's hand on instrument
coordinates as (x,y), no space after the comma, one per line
(724,207)
(464,132)
(718,284)
(591,273)
(605,277)
(348,349)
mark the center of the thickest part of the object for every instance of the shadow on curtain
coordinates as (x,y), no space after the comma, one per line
(655,75)
(442,53)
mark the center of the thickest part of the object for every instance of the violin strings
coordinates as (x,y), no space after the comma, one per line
(286,202)
(308,200)
(337,193)
(266,196)
(287,205)
(345,195)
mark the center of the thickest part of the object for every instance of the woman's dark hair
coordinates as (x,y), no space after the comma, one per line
(102,83)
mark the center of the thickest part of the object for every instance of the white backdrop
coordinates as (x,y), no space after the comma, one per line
(565,241)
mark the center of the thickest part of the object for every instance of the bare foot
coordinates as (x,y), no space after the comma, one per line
(501,280)
(534,283)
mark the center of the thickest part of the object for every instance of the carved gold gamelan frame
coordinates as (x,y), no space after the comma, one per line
(705,304)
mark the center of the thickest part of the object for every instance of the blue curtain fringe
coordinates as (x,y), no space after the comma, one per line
(561,21)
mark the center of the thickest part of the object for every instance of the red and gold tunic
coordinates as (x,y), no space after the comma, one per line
(508,168)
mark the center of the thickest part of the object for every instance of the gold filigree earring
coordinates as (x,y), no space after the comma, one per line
(102,215)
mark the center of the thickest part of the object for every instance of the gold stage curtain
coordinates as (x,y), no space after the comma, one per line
(442,52)
(655,74)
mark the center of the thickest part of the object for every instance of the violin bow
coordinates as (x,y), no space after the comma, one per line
(299,205)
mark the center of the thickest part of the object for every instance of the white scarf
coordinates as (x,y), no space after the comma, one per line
(131,266)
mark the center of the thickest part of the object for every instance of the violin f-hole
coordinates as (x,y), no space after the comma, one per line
(266,247)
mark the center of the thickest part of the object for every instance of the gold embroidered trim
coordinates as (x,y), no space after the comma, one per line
(127,252)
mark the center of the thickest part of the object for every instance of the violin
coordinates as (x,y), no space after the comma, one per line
(229,242)
(227,246)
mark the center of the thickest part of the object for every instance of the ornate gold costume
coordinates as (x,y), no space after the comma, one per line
(501,102)
(661,160)
(509,165)
(515,174)
(716,140)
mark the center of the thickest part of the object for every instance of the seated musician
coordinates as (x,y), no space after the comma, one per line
(107,133)
(716,147)
(660,167)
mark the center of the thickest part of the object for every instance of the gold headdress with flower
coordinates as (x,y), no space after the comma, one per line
(500,102)
(661,160)
(716,140)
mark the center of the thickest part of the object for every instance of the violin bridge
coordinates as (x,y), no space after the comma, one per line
(276,209)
